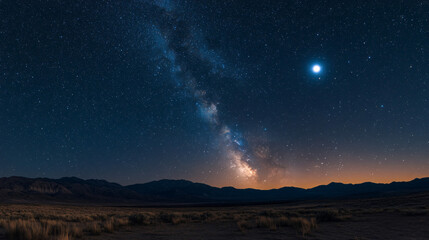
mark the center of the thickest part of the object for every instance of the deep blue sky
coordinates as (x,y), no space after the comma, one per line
(219,92)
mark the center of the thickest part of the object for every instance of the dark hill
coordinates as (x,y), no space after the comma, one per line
(75,190)
(20,189)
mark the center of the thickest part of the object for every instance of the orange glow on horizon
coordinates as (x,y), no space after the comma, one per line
(315,184)
(350,175)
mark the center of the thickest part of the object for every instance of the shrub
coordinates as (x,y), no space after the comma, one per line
(93,228)
(244,225)
(138,219)
(303,225)
(266,222)
(108,226)
(328,216)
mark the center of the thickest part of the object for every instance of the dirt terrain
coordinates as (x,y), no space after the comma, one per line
(377,226)
(401,217)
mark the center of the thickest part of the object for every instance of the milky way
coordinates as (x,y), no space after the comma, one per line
(180,46)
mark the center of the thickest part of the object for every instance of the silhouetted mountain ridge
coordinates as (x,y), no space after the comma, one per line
(72,189)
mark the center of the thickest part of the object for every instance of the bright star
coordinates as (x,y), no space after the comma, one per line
(316,68)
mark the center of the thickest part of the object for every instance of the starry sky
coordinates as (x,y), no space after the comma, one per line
(241,93)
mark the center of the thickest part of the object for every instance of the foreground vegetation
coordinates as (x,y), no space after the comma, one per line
(37,222)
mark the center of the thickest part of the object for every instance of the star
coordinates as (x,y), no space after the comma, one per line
(316,68)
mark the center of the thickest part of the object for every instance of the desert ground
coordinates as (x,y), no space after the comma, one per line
(399,217)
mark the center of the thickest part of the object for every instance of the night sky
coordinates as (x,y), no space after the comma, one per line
(258,94)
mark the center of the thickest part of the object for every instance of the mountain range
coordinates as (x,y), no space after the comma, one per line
(75,190)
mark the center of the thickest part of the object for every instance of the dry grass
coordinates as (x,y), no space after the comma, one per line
(332,215)
(414,212)
(301,224)
(73,222)
(32,222)
(40,230)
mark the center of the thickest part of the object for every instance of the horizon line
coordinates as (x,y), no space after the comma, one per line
(182,179)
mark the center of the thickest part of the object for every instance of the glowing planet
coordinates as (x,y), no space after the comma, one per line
(316,68)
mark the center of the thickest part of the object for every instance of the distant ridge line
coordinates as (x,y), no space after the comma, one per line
(16,189)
